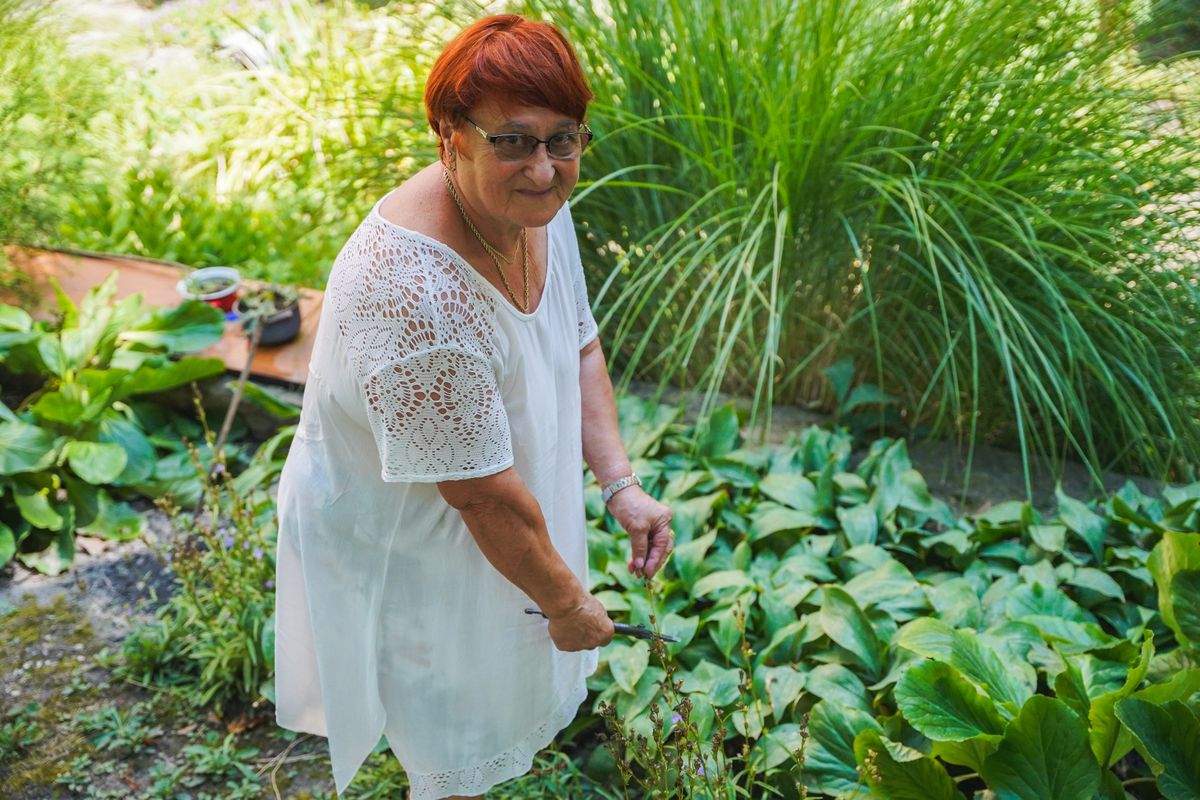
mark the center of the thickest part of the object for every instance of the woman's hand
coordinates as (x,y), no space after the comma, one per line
(582,626)
(648,523)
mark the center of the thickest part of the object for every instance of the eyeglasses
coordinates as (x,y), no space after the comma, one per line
(520,146)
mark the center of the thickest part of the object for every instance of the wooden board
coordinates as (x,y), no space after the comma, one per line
(156,283)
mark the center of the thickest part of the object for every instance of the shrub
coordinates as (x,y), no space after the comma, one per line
(972,199)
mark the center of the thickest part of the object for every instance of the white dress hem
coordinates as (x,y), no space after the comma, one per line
(512,763)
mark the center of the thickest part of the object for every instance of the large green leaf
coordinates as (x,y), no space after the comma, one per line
(845,623)
(907,778)
(830,765)
(14,319)
(72,405)
(26,448)
(790,489)
(770,518)
(190,326)
(719,433)
(97,463)
(781,686)
(628,662)
(1109,742)
(141,457)
(1169,736)
(36,508)
(972,657)
(718,683)
(836,684)
(1185,602)
(114,520)
(8,543)
(1044,755)
(780,744)
(1084,522)
(725,579)
(860,523)
(150,378)
(944,706)
(1175,552)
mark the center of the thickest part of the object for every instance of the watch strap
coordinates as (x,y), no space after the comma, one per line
(620,483)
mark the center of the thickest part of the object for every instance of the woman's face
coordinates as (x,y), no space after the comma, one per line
(526,193)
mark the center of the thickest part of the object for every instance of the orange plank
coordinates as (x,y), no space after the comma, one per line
(156,283)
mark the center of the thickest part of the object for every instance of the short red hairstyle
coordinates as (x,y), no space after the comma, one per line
(510,59)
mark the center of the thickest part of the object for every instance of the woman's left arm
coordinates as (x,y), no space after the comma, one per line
(647,521)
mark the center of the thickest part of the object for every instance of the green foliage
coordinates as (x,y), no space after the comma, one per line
(126,731)
(46,101)
(983,209)
(18,731)
(85,433)
(213,641)
(264,166)
(937,647)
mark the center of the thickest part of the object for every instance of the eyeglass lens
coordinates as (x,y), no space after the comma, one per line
(517,146)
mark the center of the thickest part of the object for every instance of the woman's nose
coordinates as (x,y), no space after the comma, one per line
(540,167)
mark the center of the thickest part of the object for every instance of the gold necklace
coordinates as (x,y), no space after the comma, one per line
(493,252)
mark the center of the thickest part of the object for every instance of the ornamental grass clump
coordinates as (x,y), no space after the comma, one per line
(983,203)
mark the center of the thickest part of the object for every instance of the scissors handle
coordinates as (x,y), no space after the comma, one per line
(636,631)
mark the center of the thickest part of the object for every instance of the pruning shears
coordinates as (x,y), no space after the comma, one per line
(636,631)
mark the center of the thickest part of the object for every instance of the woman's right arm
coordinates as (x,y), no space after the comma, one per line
(507,524)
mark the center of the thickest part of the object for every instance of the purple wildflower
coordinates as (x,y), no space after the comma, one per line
(227,541)
(270,584)
(676,719)
(258,552)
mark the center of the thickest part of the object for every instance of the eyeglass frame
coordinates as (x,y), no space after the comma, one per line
(584,130)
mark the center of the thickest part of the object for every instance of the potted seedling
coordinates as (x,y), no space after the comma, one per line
(217,286)
(273,307)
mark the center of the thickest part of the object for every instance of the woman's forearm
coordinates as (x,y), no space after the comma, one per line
(602,447)
(507,524)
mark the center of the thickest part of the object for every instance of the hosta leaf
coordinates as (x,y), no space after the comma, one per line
(888,581)
(860,523)
(682,628)
(25,448)
(630,705)
(830,765)
(835,683)
(1089,525)
(1169,736)
(781,686)
(189,326)
(114,520)
(790,489)
(1099,582)
(151,378)
(725,579)
(969,655)
(1108,738)
(955,603)
(96,462)
(628,662)
(1041,600)
(719,433)
(689,556)
(8,542)
(1185,600)
(770,518)
(1175,552)
(895,779)
(780,744)
(719,684)
(845,623)
(944,706)
(36,508)
(1044,755)
(1050,538)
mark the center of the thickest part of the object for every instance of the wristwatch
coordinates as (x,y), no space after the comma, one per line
(620,483)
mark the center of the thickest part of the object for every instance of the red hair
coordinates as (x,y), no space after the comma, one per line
(510,59)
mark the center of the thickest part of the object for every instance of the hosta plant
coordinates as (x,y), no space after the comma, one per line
(79,433)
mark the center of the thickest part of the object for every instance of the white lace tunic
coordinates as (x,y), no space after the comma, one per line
(389,620)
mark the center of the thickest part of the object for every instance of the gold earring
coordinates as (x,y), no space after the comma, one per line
(453,165)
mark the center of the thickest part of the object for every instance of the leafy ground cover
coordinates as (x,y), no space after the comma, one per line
(843,634)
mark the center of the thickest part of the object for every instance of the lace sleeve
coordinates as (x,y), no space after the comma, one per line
(437,415)
(421,342)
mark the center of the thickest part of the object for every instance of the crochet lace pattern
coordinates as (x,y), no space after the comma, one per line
(512,762)
(421,339)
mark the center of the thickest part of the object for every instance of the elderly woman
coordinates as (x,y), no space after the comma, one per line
(434,489)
